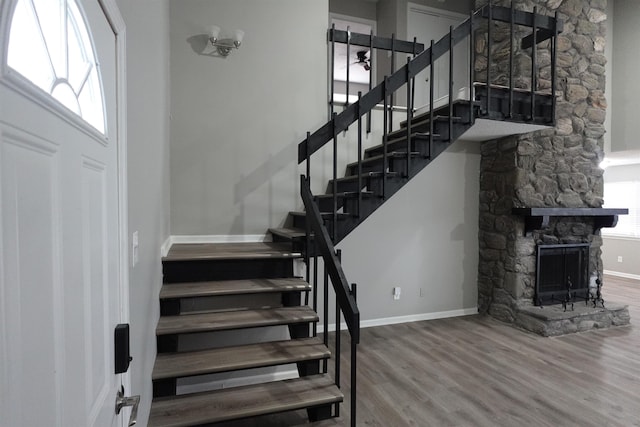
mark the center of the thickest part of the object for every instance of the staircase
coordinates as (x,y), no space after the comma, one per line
(223,282)
(213,288)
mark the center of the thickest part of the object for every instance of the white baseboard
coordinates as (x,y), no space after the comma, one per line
(404,319)
(237,382)
(213,238)
(623,275)
(164,249)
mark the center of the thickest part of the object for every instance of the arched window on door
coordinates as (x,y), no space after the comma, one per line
(49,45)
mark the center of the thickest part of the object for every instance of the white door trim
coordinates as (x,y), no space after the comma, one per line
(116,21)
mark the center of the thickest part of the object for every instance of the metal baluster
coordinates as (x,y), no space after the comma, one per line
(489,47)
(511,32)
(384,139)
(534,66)
(333,65)
(371,36)
(325,363)
(354,347)
(413,79)
(308,225)
(338,340)
(393,70)
(472,51)
(334,229)
(346,103)
(359,155)
(315,285)
(431,88)
(409,116)
(554,54)
(450,83)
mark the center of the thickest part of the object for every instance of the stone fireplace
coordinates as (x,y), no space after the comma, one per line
(555,170)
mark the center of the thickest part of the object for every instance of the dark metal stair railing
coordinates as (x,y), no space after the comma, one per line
(345,296)
(318,238)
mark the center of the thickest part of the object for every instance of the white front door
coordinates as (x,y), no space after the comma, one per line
(60,277)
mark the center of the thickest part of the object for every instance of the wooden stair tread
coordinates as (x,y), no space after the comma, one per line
(289,232)
(213,251)
(185,364)
(324,215)
(365,175)
(241,402)
(228,320)
(402,140)
(344,195)
(390,155)
(232,287)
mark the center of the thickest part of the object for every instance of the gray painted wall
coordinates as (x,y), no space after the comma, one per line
(627,248)
(625,82)
(233,158)
(623,90)
(425,236)
(148,168)
(236,121)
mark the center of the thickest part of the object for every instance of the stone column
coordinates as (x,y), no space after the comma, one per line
(558,167)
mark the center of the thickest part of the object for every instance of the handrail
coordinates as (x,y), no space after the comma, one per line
(344,296)
(546,27)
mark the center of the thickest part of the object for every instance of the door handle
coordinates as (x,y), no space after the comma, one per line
(133,401)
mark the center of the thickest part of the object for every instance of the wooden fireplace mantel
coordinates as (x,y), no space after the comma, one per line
(538,218)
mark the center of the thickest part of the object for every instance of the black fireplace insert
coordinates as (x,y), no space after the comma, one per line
(562,274)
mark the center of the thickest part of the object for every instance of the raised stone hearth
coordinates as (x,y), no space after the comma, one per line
(554,168)
(552,320)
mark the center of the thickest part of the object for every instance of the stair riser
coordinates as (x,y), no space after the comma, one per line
(521,105)
(202,270)
(418,144)
(176,306)
(459,110)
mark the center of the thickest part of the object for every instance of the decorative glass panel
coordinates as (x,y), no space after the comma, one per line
(49,44)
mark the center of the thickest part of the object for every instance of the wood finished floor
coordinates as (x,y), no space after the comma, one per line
(476,371)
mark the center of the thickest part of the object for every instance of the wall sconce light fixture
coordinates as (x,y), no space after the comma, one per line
(225,45)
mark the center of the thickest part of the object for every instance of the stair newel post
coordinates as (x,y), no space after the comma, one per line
(409,115)
(489,48)
(431,88)
(534,65)
(554,57)
(354,346)
(385,85)
(338,339)
(334,228)
(370,77)
(359,154)
(332,68)
(450,83)
(393,70)
(346,102)
(472,50)
(511,37)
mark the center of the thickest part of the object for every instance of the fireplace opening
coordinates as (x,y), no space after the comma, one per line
(562,274)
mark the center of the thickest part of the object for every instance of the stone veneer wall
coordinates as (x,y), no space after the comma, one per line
(551,168)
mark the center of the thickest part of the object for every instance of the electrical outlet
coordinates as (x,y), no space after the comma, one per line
(619,258)
(396,293)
